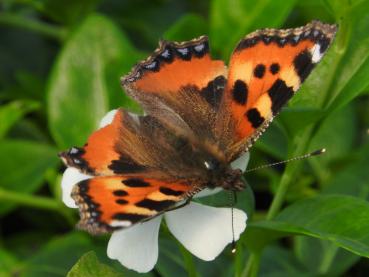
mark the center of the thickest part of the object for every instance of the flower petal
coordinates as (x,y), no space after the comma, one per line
(107,119)
(136,247)
(241,162)
(207,192)
(205,231)
(71,176)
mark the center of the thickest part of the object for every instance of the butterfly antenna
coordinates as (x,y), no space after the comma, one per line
(233,200)
(314,153)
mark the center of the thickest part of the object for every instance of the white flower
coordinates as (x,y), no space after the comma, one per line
(203,230)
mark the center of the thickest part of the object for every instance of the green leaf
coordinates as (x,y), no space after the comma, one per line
(14,111)
(353,179)
(351,76)
(67,12)
(232,20)
(89,265)
(24,164)
(7,262)
(276,261)
(57,256)
(344,220)
(294,119)
(323,257)
(81,88)
(187,27)
(273,141)
(336,134)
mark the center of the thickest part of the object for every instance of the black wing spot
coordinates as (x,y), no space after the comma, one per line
(121,201)
(274,68)
(303,64)
(125,165)
(279,93)
(155,205)
(135,183)
(240,92)
(129,217)
(213,92)
(171,192)
(259,71)
(254,117)
(120,192)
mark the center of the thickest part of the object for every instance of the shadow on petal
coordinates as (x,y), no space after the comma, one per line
(241,162)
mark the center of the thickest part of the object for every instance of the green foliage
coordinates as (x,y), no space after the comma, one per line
(60,71)
(89,266)
(80,76)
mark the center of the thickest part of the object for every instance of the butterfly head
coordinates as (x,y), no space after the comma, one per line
(222,175)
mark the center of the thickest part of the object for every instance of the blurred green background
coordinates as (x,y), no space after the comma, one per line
(60,63)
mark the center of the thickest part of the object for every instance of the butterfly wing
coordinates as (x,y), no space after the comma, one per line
(107,149)
(132,145)
(140,168)
(114,202)
(181,86)
(266,69)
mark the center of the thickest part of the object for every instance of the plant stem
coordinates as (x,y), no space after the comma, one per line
(252,266)
(289,173)
(32,25)
(39,202)
(29,200)
(328,258)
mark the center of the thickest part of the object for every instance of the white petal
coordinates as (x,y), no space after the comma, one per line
(71,176)
(136,247)
(107,119)
(205,231)
(241,162)
(207,192)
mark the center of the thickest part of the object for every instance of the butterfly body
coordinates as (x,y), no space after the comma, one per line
(200,117)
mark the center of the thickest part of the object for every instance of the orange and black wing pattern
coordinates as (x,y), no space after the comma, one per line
(105,153)
(115,202)
(198,114)
(137,145)
(266,69)
(174,66)
(138,169)
(180,85)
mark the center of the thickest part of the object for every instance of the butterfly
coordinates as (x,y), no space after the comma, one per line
(200,115)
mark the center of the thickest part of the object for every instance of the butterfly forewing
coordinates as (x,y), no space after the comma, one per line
(182,86)
(266,69)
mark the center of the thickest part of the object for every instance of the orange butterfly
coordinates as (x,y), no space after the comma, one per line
(201,116)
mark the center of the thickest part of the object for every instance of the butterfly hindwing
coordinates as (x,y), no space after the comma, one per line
(266,69)
(115,202)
